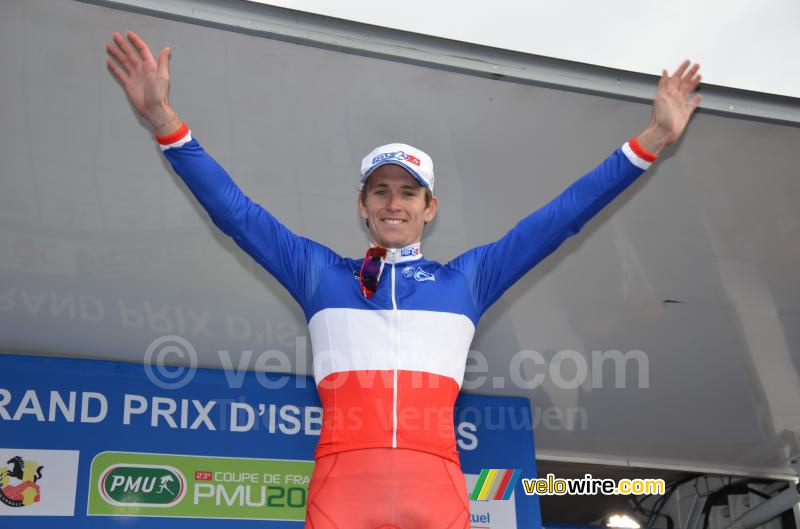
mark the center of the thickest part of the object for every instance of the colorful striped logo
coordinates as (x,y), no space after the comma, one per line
(495,484)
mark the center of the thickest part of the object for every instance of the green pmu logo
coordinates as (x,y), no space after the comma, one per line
(142,485)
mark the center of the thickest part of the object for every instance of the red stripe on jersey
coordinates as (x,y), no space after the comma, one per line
(358,412)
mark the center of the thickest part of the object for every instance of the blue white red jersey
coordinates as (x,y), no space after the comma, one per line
(389,368)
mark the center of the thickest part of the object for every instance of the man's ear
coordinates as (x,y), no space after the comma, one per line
(362,209)
(430,211)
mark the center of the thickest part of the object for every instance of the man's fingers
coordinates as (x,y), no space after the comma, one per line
(163,62)
(691,81)
(694,103)
(118,72)
(117,54)
(682,68)
(687,79)
(664,78)
(694,83)
(141,46)
(131,56)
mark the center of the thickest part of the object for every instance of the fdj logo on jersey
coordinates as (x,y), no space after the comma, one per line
(142,486)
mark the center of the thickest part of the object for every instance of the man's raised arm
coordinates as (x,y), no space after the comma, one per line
(145,81)
(296,262)
(493,268)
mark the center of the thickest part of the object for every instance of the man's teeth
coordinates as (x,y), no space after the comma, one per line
(392,221)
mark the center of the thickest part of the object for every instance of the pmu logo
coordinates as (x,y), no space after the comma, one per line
(399,155)
(19,487)
(407,252)
(142,485)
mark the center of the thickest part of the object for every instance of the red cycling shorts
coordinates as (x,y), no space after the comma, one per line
(386,488)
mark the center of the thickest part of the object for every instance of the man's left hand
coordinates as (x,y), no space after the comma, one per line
(672,107)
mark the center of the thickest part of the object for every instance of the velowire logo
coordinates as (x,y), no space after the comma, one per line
(132,485)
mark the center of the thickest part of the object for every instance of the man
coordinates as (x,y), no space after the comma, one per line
(390,332)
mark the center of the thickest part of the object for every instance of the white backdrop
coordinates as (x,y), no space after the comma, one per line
(744,45)
(103,250)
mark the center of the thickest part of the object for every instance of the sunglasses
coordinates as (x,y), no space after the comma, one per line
(371,270)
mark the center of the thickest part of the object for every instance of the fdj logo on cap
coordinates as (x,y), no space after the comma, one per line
(142,485)
(399,155)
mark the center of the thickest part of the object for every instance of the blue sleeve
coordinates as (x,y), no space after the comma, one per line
(493,268)
(296,262)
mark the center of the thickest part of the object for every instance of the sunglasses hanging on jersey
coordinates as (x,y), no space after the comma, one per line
(371,270)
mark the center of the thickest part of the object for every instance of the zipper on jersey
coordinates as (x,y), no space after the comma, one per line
(396,345)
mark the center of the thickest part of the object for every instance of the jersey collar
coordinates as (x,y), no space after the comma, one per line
(411,252)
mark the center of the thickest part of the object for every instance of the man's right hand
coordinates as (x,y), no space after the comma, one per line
(145,81)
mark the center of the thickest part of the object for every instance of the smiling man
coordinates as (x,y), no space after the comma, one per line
(399,190)
(390,332)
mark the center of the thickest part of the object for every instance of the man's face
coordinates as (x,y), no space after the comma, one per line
(395,207)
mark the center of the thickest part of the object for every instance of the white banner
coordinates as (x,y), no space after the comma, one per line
(38,482)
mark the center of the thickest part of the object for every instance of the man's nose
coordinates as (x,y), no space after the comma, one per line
(394,201)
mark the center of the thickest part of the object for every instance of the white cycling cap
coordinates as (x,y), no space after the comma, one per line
(413,160)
